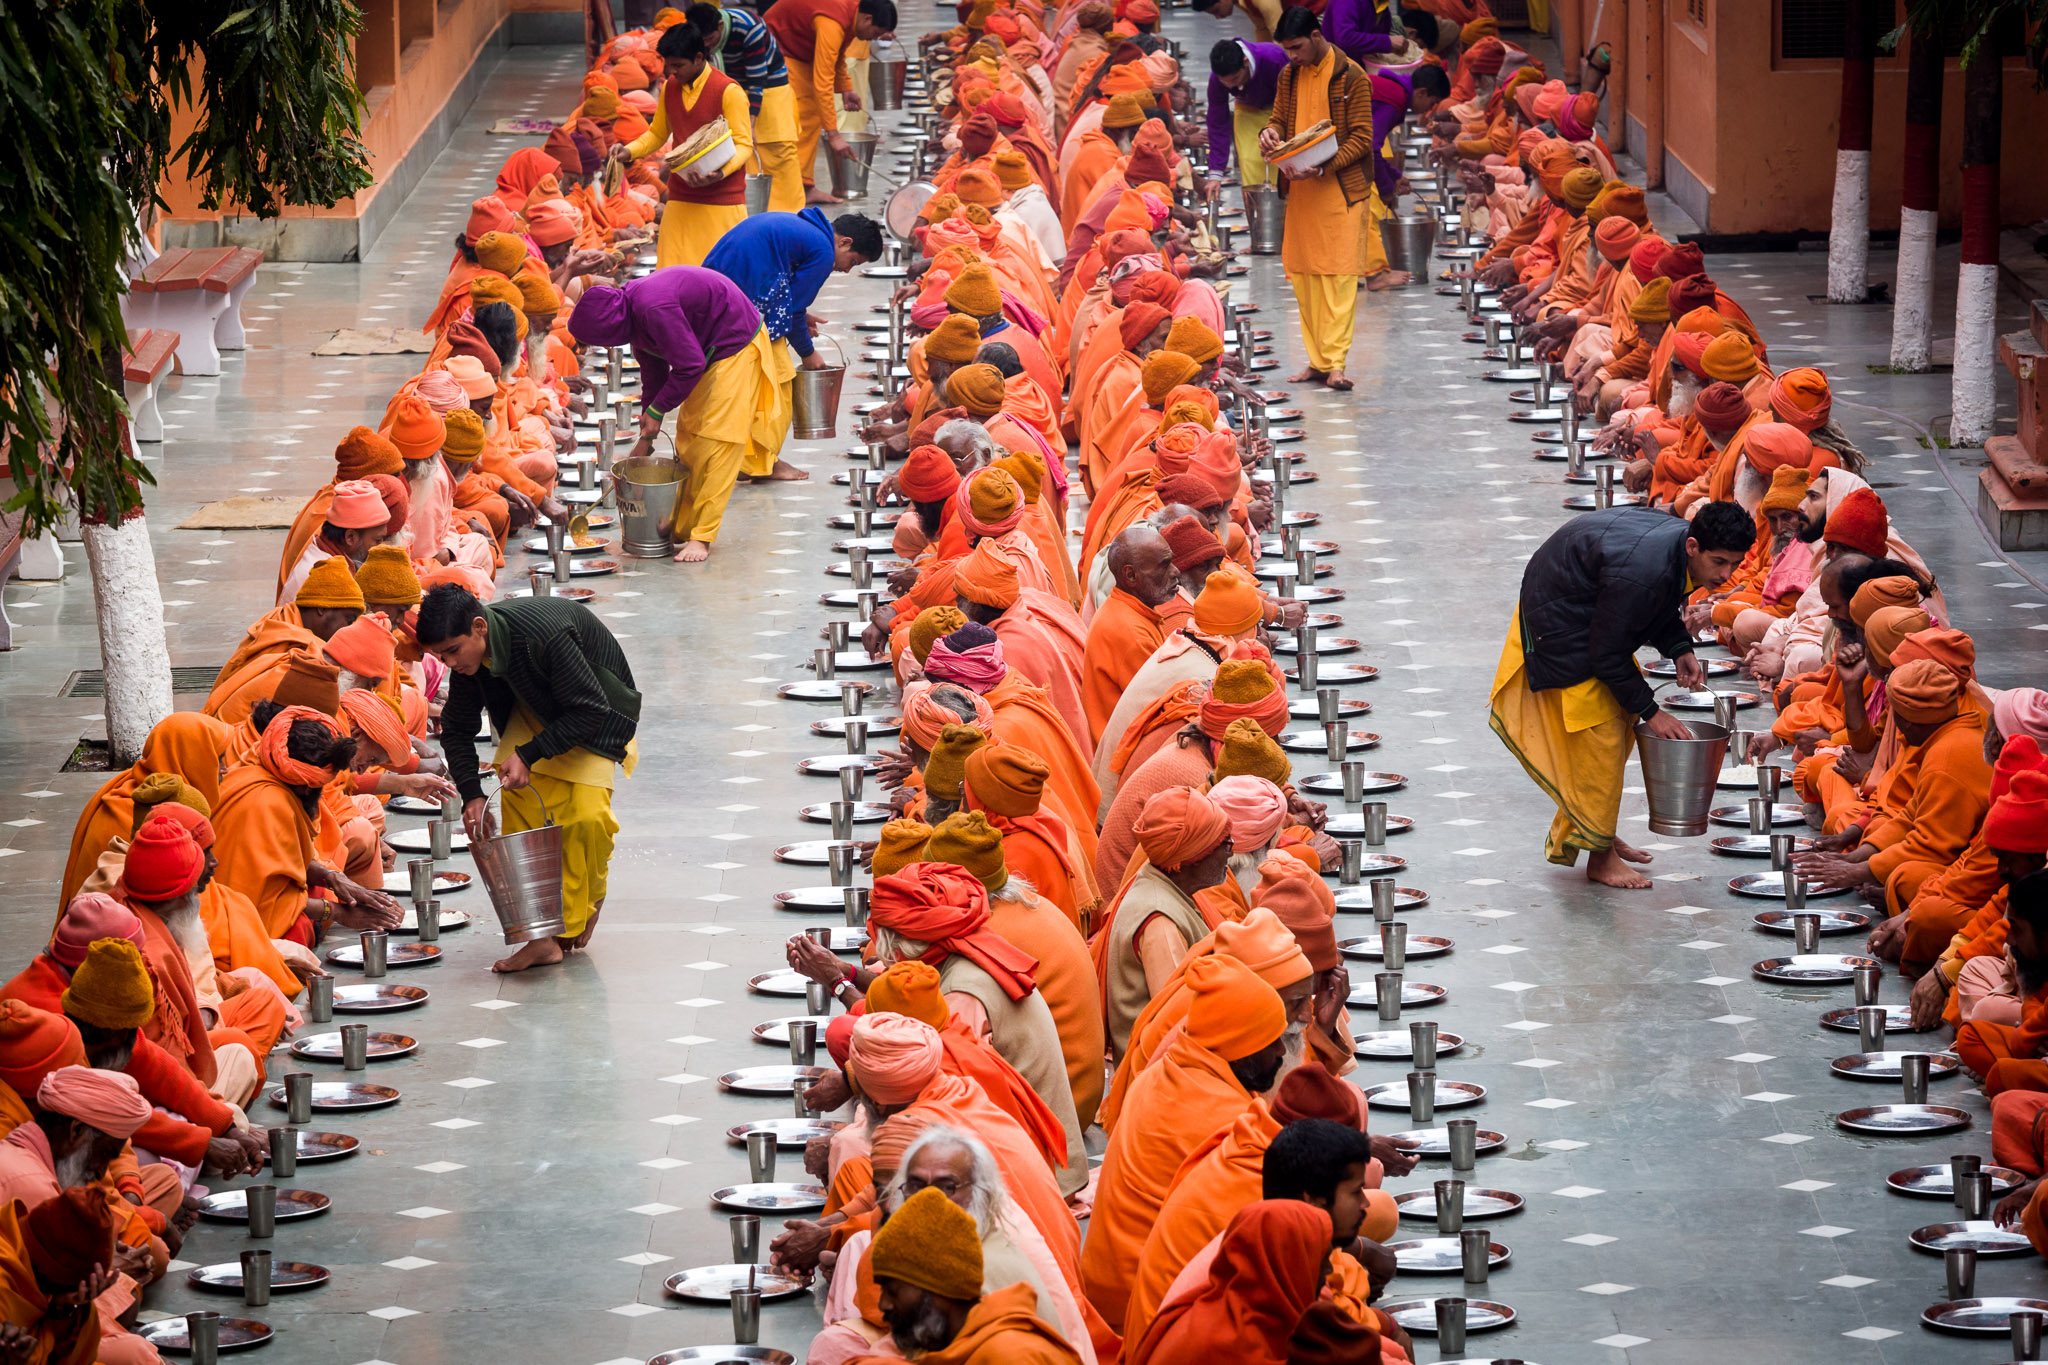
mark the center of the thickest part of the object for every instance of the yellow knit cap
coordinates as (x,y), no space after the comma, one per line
(1193,337)
(975,293)
(932,1244)
(387,578)
(500,251)
(1027,467)
(1163,372)
(957,340)
(932,625)
(901,844)
(330,584)
(539,295)
(946,769)
(910,989)
(158,788)
(966,839)
(465,438)
(1249,751)
(992,494)
(111,988)
(1241,681)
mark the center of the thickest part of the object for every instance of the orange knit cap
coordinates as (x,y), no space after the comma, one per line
(1193,337)
(911,989)
(1228,605)
(1163,372)
(1230,1011)
(1924,692)
(977,186)
(1013,172)
(362,453)
(1261,942)
(1006,779)
(416,429)
(957,340)
(978,388)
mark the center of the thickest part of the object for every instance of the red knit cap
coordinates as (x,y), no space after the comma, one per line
(1311,1092)
(1859,522)
(2018,822)
(33,1043)
(1189,490)
(928,475)
(164,861)
(1192,543)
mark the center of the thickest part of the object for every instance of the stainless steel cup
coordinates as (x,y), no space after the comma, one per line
(441,839)
(256,1277)
(1374,814)
(862,575)
(837,633)
(355,1046)
(1869,978)
(1464,1136)
(1781,851)
(865,604)
(1450,1207)
(823,664)
(803,1042)
(1769,779)
(1913,1080)
(421,871)
(1960,1165)
(427,921)
(1337,739)
(1394,946)
(1450,1327)
(856,907)
(1738,745)
(820,935)
(840,860)
(1603,486)
(856,736)
(1575,460)
(761,1157)
(1795,899)
(1304,567)
(376,950)
(1476,1248)
(863,522)
(746,1316)
(1383,892)
(1350,859)
(1388,987)
(284,1152)
(1724,710)
(746,1238)
(1805,927)
(540,582)
(1305,667)
(1353,772)
(1870,1027)
(1326,704)
(2026,1334)
(800,1097)
(1759,815)
(1961,1265)
(818,999)
(1422,1044)
(203,1329)
(1975,1190)
(851,780)
(262,1206)
(298,1097)
(842,820)
(852,696)
(320,999)
(1422,1097)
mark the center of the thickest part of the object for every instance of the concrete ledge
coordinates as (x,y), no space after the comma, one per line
(2020,523)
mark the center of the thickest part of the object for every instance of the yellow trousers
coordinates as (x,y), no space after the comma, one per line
(1329,304)
(713,432)
(771,423)
(775,149)
(1245,124)
(810,119)
(584,813)
(1573,742)
(689,231)
(855,120)
(1373,250)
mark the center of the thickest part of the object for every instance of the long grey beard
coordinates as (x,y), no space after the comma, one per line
(1684,391)
(73,1166)
(1750,486)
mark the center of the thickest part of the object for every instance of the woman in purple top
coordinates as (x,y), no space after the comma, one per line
(703,356)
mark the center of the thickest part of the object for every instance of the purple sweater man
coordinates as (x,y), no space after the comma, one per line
(680,321)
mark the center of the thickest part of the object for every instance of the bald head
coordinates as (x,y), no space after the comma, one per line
(1141,562)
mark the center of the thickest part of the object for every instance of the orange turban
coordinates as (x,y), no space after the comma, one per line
(1013,172)
(1924,692)
(1302,901)
(382,722)
(925,717)
(1244,689)
(1311,1092)
(1879,593)
(1230,1011)
(1175,447)
(910,989)
(1801,398)
(1887,626)
(894,1057)
(1771,446)
(986,577)
(33,1043)
(1788,489)
(1950,648)
(1180,826)
(364,647)
(1261,942)
(1215,462)
(1138,320)
(1129,215)
(1124,109)
(1257,810)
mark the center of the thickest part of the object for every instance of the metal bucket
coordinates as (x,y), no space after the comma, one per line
(815,397)
(757,193)
(1266,215)
(523,875)
(1678,776)
(1408,238)
(850,172)
(648,490)
(887,72)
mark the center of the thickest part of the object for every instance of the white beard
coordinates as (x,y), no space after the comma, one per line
(1750,486)
(1685,390)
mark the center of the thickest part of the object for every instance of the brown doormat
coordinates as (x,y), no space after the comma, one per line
(521,126)
(375,341)
(243,514)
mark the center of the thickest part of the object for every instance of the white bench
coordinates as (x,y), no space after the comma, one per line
(197,293)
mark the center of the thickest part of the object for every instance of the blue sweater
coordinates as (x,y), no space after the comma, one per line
(780,261)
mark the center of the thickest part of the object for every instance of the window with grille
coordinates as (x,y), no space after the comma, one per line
(1696,12)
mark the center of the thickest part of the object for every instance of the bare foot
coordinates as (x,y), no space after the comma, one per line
(1309,375)
(1631,853)
(695,552)
(582,940)
(818,196)
(1388,279)
(784,472)
(543,952)
(1337,381)
(1607,868)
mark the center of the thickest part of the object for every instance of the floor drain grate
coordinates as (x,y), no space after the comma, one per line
(92,682)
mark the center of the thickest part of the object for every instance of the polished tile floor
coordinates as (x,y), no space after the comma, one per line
(1668,1119)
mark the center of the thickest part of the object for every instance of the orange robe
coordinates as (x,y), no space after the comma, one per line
(187,744)
(304,527)
(1025,716)
(1173,1109)
(1951,794)
(1110,410)
(1043,640)
(237,936)
(1121,637)
(1949,902)
(1217,1180)
(1042,849)
(2008,1057)
(1095,156)
(265,841)
(278,631)
(1066,982)
(55,1339)
(1125,498)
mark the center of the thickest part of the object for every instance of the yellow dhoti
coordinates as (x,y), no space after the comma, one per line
(689,231)
(1573,741)
(713,431)
(1244,130)
(1321,251)
(775,149)
(771,422)
(576,788)
(810,118)
(1372,251)
(1329,306)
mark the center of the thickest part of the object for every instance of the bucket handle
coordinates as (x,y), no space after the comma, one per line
(827,336)
(547,820)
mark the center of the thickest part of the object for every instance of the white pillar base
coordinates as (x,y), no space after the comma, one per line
(1849,229)
(1974,392)
(1913,313)
(130,614)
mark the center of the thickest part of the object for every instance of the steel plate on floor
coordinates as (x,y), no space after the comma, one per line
(1449,1094)
(580,568)
(1277,570)
(1831,921)
(1335,675)
(169,1335)
(343,1096)
(326,1047)
(1434,1142)
(1414,995)
(1885,1066)
(539,545)
(812,898)
(1308,708)
(1418,1316)
(1897,1019)
(378,997)
(1353,826)
(1783,813)
(834,727)
(810,853)
(864,813)
(1980,1235)
(826,690)
(770,1080)
(419,840)
(715,1283)
(1903,1120)
(1276,548)
(1315,742)
(395,954)
(723,1355)
(1587,502)
(323,1146)
(1332,784)
(1441,1255)
(1812,969)
(1667,668)
(1939,1181)
(286,1277)
(1359,898)
(1753,845)
(232,1206)
(778,1196)
(1979,1317)
(1704,701)
(882,567)
(828,765)
(783,983)
(790,1134)
(411,805)
(1325,645)
(1381,864)
(1770,886)
(399,883)
(1399,1045)
(1419,1206)
(409,920)
(1419,946)
(775,1032)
